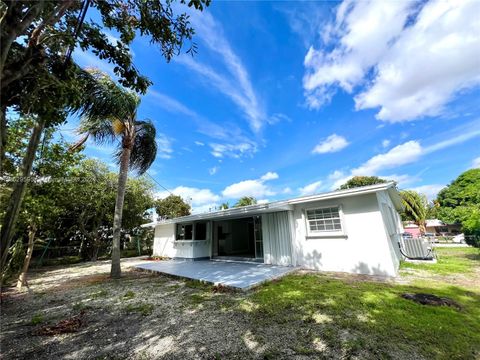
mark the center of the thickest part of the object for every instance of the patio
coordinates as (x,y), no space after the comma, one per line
(239,275)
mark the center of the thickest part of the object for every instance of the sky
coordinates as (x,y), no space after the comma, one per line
(284,99)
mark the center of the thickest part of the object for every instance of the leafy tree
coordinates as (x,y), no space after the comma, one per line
(459,202)
(224,206)
(38,77)
(111,116)
(245,201)
(416,207)
(358,181)
(171,207)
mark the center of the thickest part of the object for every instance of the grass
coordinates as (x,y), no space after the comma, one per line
(37,319)
(450,261)
(144,309)
(371,316)
(129,295)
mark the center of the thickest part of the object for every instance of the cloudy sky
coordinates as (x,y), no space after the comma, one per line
(285,99)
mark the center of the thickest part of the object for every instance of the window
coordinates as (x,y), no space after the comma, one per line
(324,220)
(184,232)
(201,231)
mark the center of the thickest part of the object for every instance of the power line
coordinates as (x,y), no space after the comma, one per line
(163,187)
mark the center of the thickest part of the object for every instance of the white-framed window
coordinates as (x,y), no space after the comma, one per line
(324,221)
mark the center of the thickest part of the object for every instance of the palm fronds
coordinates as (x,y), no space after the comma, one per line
(145,146)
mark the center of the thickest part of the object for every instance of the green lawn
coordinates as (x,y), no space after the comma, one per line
(370,319)
(450,261)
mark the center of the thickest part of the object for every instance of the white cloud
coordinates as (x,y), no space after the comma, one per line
(164,146)
(256,188)
(235,81)
(236,143)
(196,197)
(213,170)
(421,56)
(385,143)
(337,174)
(269,176)
(287,190)
(262,201)
(430,191)
(331,144)
(476,163)
(399,155)
(403,154)
(233,150)
(310,188)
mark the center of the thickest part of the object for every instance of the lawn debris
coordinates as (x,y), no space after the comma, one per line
(430,299)
(219,288)
(65,326)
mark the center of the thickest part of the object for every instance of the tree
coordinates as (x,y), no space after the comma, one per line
(38,77)
(224,206)
(459,202)
(416,207)
(245,201)
(112,115)
(171,207)
(358,181)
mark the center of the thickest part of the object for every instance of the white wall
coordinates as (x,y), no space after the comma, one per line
(364,248)
(164,244)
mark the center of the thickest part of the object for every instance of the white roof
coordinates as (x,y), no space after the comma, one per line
(434,222)
(283,205)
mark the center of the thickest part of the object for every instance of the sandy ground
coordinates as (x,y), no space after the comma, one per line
(142,316)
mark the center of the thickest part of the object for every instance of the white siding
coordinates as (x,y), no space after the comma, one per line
(363,249)
(164,244)
(277,238)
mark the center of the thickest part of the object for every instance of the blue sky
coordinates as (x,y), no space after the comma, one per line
(285,99)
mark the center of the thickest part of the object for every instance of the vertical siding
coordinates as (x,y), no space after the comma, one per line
(277,238)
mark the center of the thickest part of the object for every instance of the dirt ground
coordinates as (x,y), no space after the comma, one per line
(140,316)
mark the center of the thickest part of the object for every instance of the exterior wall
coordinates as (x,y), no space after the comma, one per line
(392,225)
(364,248)
(277,238)
(164,244)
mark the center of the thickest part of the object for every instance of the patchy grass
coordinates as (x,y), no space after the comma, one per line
(370,316)
(459,260)
(307,315)
(144,309)
(37,319)
(129,295)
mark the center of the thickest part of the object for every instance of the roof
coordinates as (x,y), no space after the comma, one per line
(434,222)
(283,205)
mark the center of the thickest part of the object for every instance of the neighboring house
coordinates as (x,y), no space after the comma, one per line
(412,229)
(438,227)
(354,230)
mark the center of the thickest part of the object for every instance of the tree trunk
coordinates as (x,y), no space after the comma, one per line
(3,137)
(16,198)
(117,219)
(22,279)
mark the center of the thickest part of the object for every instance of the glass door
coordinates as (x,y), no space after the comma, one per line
(257,223)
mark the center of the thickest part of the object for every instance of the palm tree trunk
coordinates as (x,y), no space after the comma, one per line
(116,271)
(16,198)
(22,279)
(3,137)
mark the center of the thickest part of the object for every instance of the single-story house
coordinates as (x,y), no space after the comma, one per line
(355,230)
(438,227)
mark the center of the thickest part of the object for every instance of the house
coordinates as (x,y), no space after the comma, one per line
(412,229)
(354,230)
(438,227)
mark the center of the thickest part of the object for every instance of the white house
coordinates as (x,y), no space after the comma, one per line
(354,230)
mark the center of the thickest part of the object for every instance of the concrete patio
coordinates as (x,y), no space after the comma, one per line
(238,275)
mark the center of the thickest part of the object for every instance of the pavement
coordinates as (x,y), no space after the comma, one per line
(238,275)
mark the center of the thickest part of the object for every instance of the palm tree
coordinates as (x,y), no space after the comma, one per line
(111,116)
(415,208)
